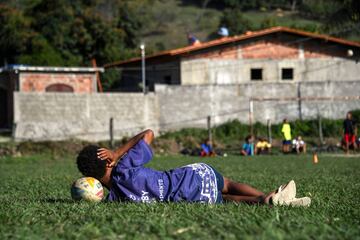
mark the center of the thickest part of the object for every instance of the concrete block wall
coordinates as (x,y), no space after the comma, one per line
(57,116)
(188,106)
(232,64)
(224,71)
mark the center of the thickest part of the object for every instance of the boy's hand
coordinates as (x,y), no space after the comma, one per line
(108,155)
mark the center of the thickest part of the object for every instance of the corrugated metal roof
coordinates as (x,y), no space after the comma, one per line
(227,40)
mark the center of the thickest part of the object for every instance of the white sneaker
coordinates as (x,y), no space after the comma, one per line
(298,202)
(285,193)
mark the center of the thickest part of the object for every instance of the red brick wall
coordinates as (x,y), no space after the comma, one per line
(224,53)
(271,50)
(268,50)
(38,82)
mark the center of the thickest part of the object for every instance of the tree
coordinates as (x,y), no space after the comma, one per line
(130,19)
(345,19)
(41,52)
(14,33)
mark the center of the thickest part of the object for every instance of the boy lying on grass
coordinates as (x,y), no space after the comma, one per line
(123,174)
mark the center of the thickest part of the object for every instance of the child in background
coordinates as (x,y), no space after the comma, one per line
(262,146)
(206,149)
(122,172)
(248,146)
(299,145)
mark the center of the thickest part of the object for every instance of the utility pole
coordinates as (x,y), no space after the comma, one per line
(111,133)
(321,136)
(209,128)
(143,75)
(269,130)
(251,116)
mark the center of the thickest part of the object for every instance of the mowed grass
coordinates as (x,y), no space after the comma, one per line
(35,202)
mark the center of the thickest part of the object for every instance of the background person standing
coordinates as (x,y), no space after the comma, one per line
(286,132)
(349,126)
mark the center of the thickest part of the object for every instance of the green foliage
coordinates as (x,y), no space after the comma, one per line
(73,32)
(320,9)
(356,115)
(344,21)
(14,33)
(36,202)
(233,132)
(63,32)
(130,21)
(42,53)
(187,137)
(269,22)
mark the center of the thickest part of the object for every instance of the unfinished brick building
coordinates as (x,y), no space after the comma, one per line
(276,54)
(42,79)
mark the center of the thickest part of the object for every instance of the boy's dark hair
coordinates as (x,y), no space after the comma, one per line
(247,138)
(89,164)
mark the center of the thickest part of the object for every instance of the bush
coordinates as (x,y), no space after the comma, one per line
(233,132)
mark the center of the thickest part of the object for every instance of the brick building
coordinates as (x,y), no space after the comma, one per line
(42,79)
(276,54)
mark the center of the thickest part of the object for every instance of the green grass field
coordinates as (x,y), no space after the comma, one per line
(35,203)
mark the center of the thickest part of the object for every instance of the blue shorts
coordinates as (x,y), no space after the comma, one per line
(287,142)
(220,184)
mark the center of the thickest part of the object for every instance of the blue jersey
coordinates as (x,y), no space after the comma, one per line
(206,148)
(248,148)
(131,181)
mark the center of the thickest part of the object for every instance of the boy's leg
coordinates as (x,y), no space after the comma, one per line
(346,137)
(235,188)
(353,141)
(245,199)
(288,148)
(283,147)
(240,192)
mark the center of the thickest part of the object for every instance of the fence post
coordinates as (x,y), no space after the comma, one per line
(269,130)
(299,100)
(111,132)
(320,131)
(209,128)
(251,110)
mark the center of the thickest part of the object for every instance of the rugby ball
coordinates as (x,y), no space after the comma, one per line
(87,188)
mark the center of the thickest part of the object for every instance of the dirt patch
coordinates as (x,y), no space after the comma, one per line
(166,146)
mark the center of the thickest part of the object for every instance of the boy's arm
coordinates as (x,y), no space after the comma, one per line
(113,156)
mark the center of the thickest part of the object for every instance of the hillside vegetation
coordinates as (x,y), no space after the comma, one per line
(72,32)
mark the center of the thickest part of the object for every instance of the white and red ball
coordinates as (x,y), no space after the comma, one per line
(87,188)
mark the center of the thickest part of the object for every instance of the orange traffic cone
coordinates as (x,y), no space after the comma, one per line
(315,158)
